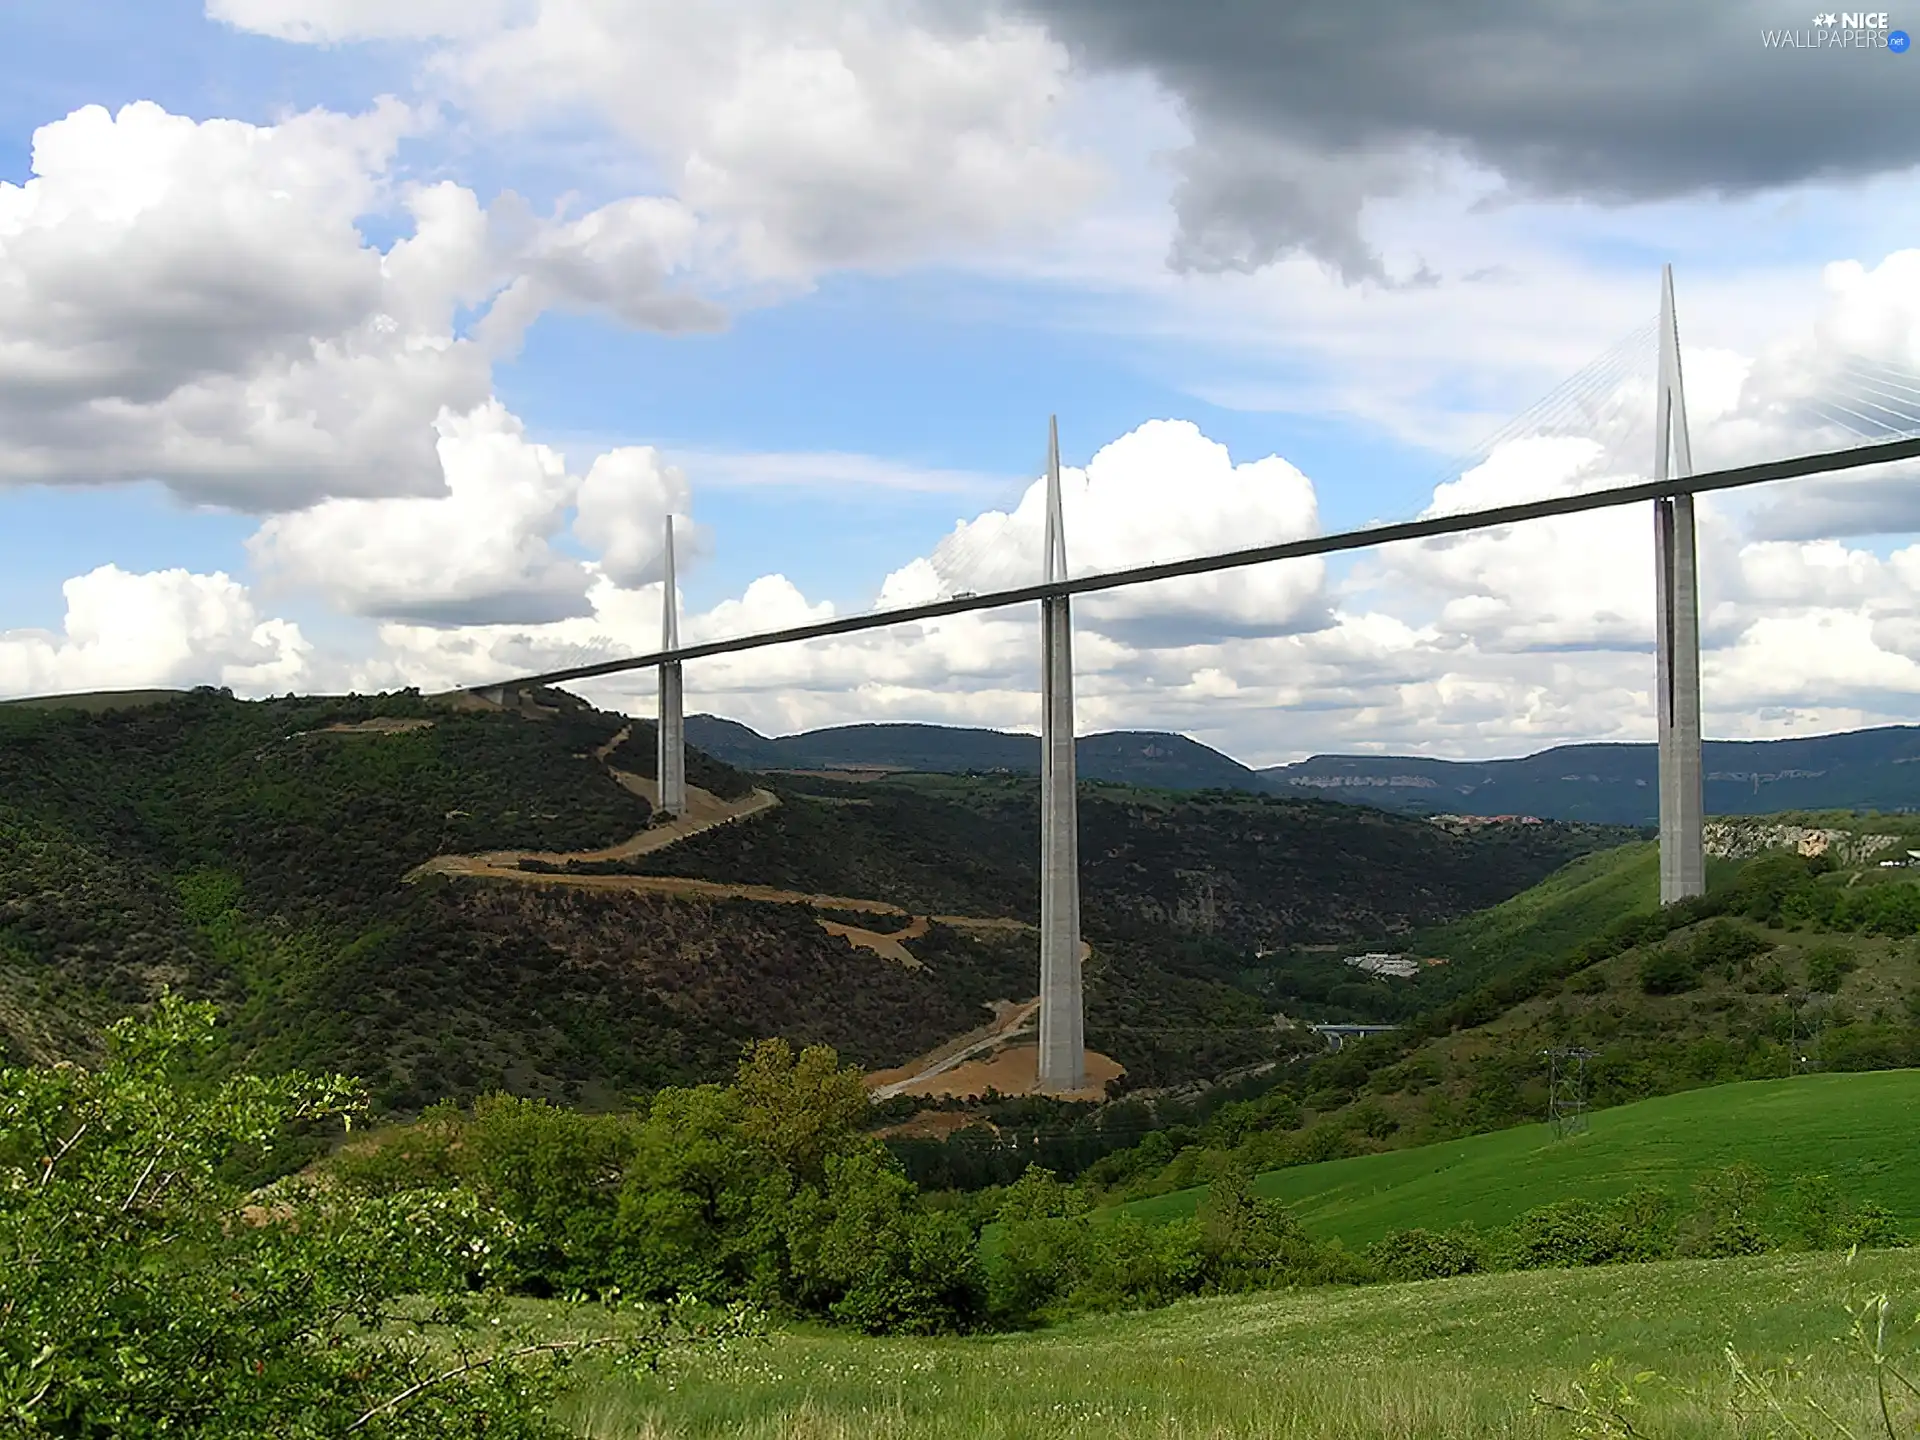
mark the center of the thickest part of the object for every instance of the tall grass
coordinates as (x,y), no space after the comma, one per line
(1448,1358)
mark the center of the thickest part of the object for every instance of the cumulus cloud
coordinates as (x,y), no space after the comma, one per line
(491,550)
(166,628)
(807,133)
(191,302)
(482,552)
(621,510)
(194,302)
(1162,492)
(1494,643)
(1490,643)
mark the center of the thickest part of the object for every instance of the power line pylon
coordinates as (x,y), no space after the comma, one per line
(1567,1089)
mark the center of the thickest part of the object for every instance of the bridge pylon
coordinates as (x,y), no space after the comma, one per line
(1683,869)
(671,771)
(1062,1064)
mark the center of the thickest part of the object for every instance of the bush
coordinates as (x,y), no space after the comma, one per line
(1728,1206)
(864,1251)
(1250,1243)
(1725,945)
(1668,971)
(1828,967)
(1816,1215)
(1425,1254)
(1566,1234)
(146,1296)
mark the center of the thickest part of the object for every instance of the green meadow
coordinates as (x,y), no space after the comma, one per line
(1860,1130)
(1448,1358)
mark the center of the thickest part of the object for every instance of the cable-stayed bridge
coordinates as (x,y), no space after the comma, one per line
(1863,412)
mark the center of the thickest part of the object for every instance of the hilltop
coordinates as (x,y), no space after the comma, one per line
(1129,757)
(278,856)
(1608,784)
(1616,784)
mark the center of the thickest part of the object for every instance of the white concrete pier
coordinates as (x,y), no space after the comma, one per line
(672,770)
(1683,868)
(1062,1064)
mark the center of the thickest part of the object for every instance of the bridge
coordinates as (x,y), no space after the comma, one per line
(1670,494)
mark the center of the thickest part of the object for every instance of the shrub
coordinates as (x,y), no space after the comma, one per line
(1372,1121)
(1425,1254)
(1039,1195)
(1668,971)
(1816,1215)
(1250,1243)
(1724,944)
(1828,967)
(1728,1206)
(1591,981)
(144,1295)
(865,1252)
(1565,1234)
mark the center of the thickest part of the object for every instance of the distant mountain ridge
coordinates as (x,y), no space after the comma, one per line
(1133,757)
(1617,784)
(1602,783)
(1609,784)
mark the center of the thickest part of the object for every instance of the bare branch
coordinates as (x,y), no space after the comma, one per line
(65,1145)
(414,1391)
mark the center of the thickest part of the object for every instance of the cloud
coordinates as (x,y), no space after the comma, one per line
(191,302)
(1162,492)
(1301,114)
(828,472)
(479,554)
(338,20)
(164,629)
(485,552)
(806,134)
(194,302)
(621,511)
(1495,643)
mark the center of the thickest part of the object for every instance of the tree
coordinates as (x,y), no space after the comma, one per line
(798,1110)
(143,1294)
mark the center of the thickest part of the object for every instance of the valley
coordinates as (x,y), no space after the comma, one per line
(476,912)
(259,853)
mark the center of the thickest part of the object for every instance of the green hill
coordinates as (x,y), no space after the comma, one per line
(1128,757)
(1790,964)
(256,853)
(1862,1131)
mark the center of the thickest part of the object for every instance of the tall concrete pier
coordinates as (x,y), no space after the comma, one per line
(1683,866)
(672,771)
(1062,1023)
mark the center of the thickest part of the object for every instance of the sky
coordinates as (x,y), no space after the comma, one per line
(358,344)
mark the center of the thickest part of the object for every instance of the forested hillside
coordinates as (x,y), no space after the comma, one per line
(257,853)
(1252,871)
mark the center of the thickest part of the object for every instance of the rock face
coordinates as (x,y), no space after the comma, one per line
(1736,840)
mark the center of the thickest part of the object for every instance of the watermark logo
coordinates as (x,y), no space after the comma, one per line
(1842,30)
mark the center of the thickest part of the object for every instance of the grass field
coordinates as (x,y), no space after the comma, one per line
(1861,1130)
(1444,1358)
(1573,904)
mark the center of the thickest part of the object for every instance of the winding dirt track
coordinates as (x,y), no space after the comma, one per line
(994,1050)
